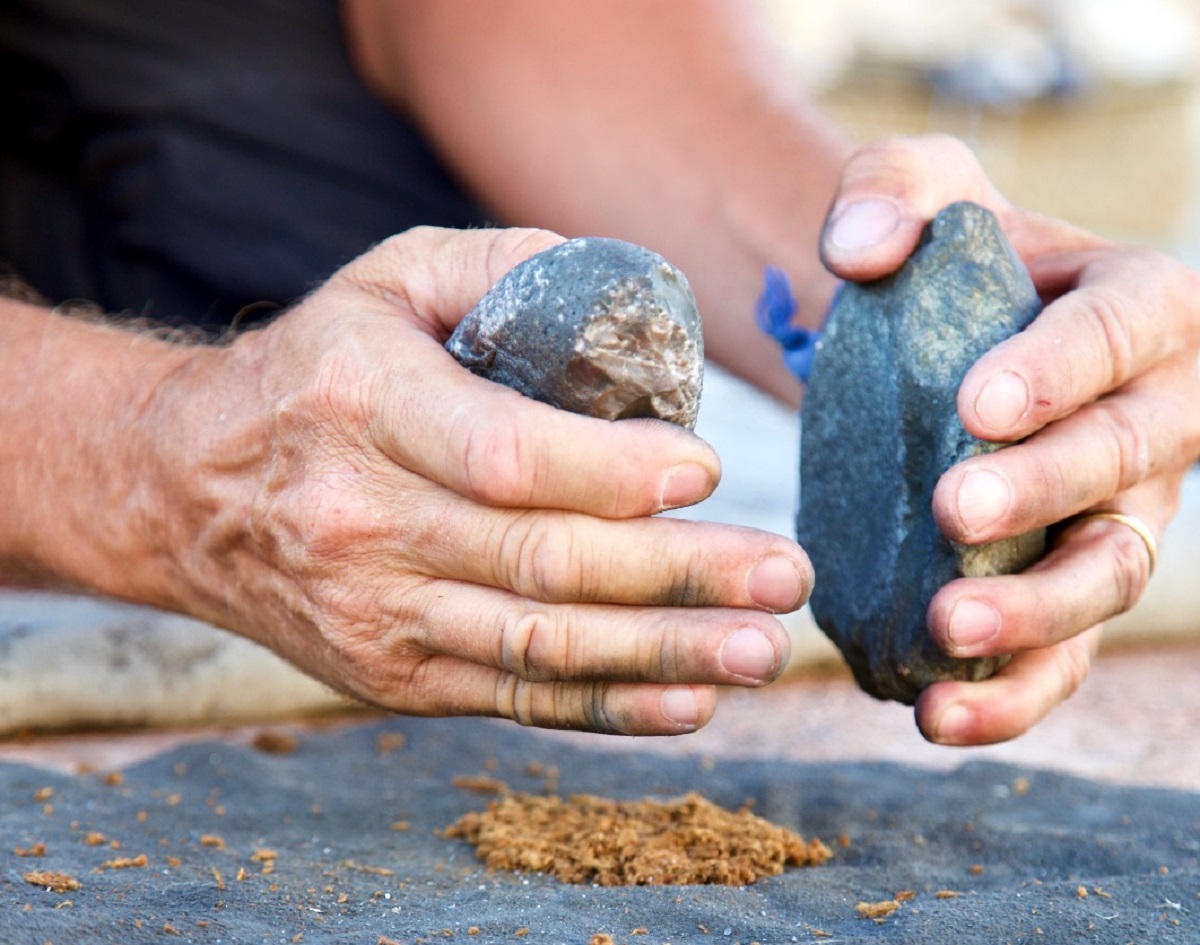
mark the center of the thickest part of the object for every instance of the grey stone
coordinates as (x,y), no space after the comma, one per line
(881,426)
(594,326)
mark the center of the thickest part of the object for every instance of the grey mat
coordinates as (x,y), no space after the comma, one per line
(1017,844)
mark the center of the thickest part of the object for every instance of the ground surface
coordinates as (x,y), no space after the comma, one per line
(1088,850)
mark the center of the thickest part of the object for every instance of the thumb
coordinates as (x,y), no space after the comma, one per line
(436,275)
(889,191)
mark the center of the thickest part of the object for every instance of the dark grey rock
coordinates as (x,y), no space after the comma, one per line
(881,426)
(593,326)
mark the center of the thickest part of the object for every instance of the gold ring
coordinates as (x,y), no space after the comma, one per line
(1140,528)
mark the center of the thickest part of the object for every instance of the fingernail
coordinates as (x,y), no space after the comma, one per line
(774,583)
(678,705)
(972,622)
(863,224)
(748,653)
(954,725)
(1002,402)
(983,497)
(685,485)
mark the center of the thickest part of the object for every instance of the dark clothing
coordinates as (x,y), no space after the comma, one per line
(184,159)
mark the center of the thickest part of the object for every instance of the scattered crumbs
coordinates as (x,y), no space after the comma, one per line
(169,929)
(702,928)
(297,938)
(65,904)
(242,874)
(212,840)
(362,868)
(1164,870)
(820,933)
(219,810)
(1096,890)
(843,840)
(264,855)
(1021,787)
(400,825)
(83,767)
(1081,892)
(114,779)
(173,800)
(388,742)
(273,742)
(490,764)
(472,929)
(180,769)
(589,839)
(123,863)
(142,816)
(36,849)
(342,898)
(976,869)
(55,882)
(43,794)
(218,879)
(481,784)
(947,894)
(877,911)
(521,932)
(601,938)
(640,931)
(174,862)
(47,809)
(905,895)
(535,769)
(384,940)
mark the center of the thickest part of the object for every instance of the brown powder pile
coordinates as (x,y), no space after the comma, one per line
(587,839)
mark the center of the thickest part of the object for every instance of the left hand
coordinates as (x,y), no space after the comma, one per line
(1101,391)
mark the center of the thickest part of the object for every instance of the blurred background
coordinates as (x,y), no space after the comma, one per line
(1082,109)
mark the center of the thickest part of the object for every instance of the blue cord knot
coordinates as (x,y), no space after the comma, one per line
(773,313)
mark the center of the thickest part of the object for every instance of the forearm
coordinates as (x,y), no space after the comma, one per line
(659,122)
(74,465)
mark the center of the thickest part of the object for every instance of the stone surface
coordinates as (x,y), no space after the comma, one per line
(594,326)
(881,426)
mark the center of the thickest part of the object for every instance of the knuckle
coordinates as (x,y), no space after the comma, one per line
(495,461)
(1110,317)
(539,557)
(534,646)
(1130,568)
(1072,663)
(1129,444)
(556,705)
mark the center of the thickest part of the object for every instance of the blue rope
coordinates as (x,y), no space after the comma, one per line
(773,313)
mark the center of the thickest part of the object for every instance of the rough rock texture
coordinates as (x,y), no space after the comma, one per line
(593,326)
(880,428)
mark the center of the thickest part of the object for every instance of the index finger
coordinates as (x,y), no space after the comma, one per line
(1126,312)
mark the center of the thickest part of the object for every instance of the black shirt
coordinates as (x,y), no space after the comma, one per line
(184,160)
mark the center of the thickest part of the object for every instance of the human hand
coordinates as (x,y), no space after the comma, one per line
(344,492)
(1100,391)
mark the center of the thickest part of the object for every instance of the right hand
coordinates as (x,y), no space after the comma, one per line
(338,488)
